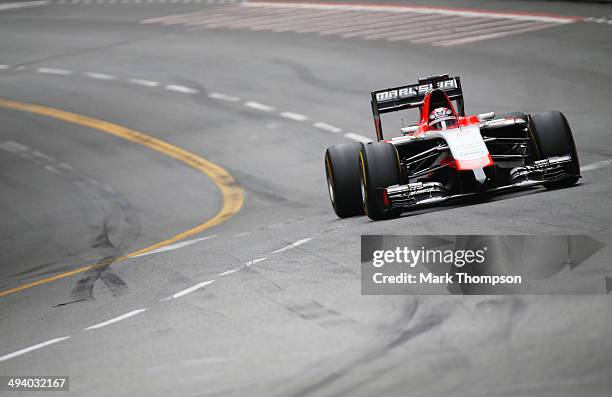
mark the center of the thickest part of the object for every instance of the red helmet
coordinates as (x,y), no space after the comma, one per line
(442,118)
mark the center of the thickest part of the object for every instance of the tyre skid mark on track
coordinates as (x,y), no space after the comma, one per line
(133,313)
(232,194)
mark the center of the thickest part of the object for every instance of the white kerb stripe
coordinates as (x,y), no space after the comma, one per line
(32,348)
(492,35)
(423,10)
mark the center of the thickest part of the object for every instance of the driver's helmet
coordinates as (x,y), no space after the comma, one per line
(442,118)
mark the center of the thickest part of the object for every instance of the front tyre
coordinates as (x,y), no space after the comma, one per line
(342,171)
(380,168)
(553,137)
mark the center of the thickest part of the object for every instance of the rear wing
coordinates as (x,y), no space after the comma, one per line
(411,96)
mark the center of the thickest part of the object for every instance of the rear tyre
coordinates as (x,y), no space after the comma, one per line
(553,137)
(342,170)
(380,168)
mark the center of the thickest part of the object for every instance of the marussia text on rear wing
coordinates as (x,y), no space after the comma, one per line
(411,96)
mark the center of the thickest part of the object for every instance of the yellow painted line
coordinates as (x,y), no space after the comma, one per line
(233,195)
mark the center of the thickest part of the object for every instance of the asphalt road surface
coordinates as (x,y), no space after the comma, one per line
(266,301)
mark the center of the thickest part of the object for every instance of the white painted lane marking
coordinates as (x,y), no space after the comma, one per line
(4,67)
(12,6)
(422,10)
(294,116)
(146,83)
(191,289)
(242,234)
(229,272)
(32,348)
(181,88)
(13,147)
(327,127)
(62,72)
(223,97)
(254,261)
(175,246)
(259,106)
(52,169)
(292,245)
(116,319)
(99,76)
(357,137)
(596,165)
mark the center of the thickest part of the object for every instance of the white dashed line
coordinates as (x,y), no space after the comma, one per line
(259,106)
(146,83)
(116,319)
(223,97)
(40,155)
(181,88)
(175,246)
(294,116)
(13,147)
(65,167)
(62,72)
(229,272)
(254,261)
(241,234)
(293,245)
(32,348)
(11,6)
(327,127)
(52,169)
(357,137)
(191,289)
(99,76)
(596,165)
(4,67)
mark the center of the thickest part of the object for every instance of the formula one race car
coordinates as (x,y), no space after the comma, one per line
(447,155)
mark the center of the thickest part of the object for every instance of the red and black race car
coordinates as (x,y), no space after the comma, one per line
(447,155)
